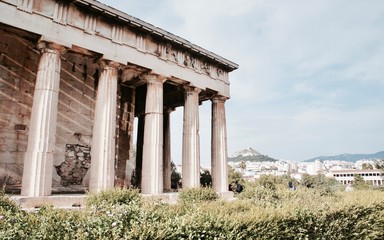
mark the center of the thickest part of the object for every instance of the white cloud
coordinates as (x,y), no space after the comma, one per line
(311,76)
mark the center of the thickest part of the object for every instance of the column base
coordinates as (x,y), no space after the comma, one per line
(68,201)
(229,196)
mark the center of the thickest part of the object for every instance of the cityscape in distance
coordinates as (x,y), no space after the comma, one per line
(252,164)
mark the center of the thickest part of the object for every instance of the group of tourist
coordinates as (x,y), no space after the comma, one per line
(236,187)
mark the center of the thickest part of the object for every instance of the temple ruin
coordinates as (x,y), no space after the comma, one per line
(75,74)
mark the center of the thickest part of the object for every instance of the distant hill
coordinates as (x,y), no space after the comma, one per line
(349,157)
(250,154)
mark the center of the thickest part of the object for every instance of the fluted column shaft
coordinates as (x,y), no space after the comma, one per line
(167,171)
(102,170)
(152,179)
(219,146)
(38,160)
(191,139)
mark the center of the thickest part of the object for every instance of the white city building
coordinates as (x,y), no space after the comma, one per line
(374,177)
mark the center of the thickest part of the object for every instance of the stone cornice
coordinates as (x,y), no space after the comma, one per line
(96,30)
(155,31)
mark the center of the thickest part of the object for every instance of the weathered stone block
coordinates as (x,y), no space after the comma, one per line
(75,166)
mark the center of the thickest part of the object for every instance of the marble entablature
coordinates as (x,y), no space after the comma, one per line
(124,33)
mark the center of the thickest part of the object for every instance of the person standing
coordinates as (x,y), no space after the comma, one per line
(239,187)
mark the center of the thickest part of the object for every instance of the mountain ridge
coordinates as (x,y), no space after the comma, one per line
(349,157)
(250,154)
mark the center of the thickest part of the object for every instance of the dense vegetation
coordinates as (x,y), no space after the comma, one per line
(265,210)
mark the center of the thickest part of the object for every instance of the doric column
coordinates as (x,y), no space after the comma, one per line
(38,160)
(191,139)
(102,170)
(167,171)
(219,146)
(152,179)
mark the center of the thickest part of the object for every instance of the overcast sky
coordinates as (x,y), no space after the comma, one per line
(311,75)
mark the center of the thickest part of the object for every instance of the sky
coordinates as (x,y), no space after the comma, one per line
(311,72)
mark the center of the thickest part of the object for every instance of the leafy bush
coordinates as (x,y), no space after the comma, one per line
(51,223)
(117,196)
(300,214)
(13,220)
(197,195)
(260,194)
(14,225)
(7,204)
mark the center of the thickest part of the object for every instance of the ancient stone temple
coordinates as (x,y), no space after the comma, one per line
(74,75)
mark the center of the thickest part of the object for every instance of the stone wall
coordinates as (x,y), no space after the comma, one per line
(75,166)
(75,112)
(18,66)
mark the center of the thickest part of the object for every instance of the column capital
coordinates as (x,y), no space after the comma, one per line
(104,63)
(189,89)
(218,98)
(50,47)
(152,78)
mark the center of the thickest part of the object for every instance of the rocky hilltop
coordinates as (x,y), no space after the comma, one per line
(250,154)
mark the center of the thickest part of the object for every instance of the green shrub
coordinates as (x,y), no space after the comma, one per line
(14,225)
(7,204)
(118,196)
(13,221)
(197,195)
(300,214)
(260,195)
(51,223)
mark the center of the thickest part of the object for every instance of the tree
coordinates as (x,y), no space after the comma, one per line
(379,164)
(268,181)
(359,183)
(320,183)
(133,178)
(307,180)
(175,176)
(242,165)
(319,180)
(205,179)
(366,166)
(233,176)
